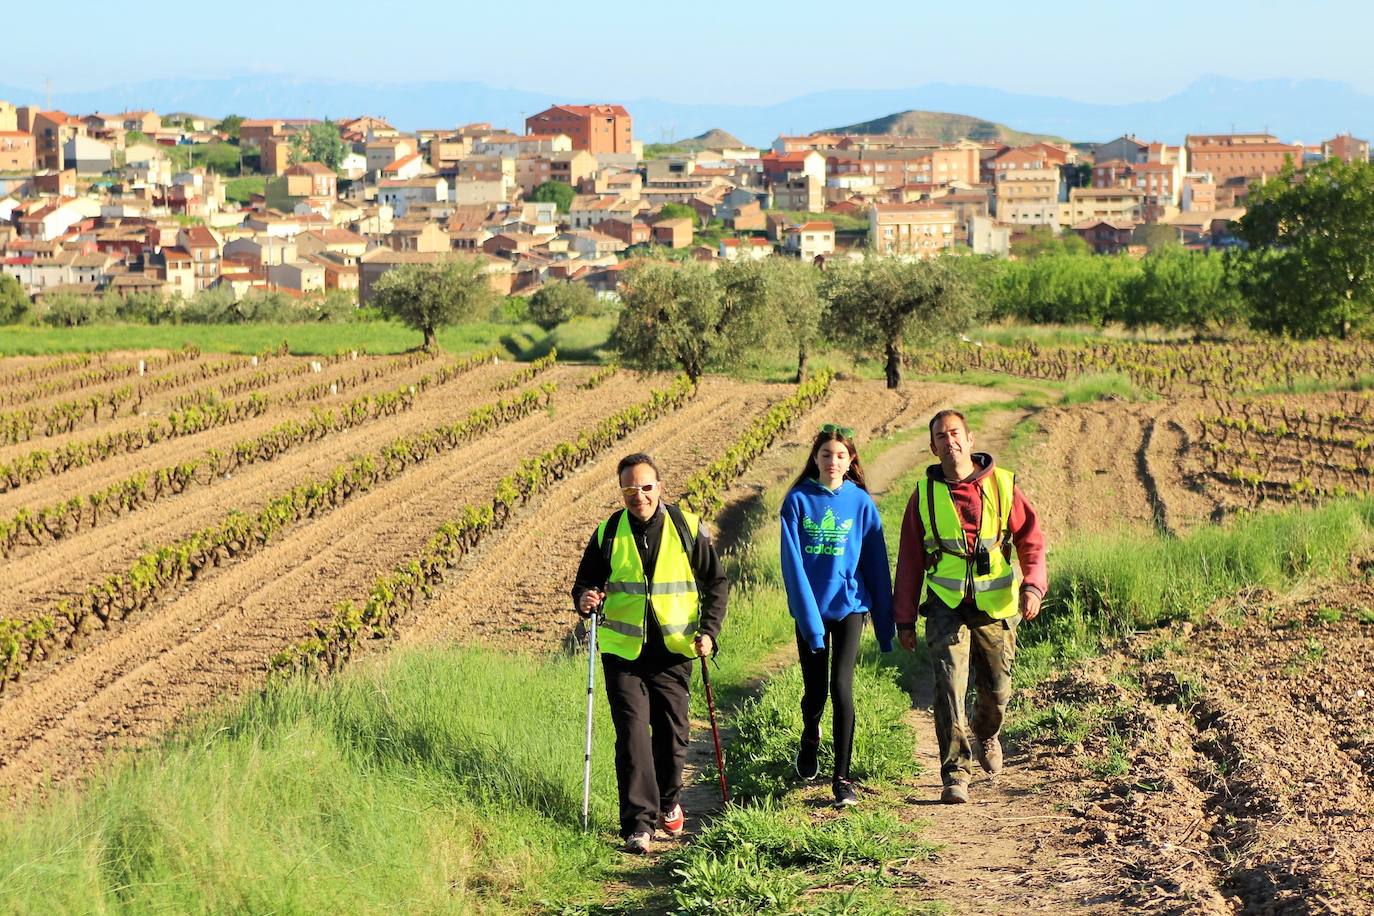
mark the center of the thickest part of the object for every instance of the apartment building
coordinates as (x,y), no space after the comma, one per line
(1160,184)
(912,230)
(1027,187)
(594,128)
(1116,204)
(16,151)
(1245,156)
(1351,149)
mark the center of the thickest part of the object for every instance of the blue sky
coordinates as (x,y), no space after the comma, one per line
(706,52)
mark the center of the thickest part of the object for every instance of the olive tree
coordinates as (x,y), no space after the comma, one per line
(882,304)
(560,301)
(679,316)
(427,297)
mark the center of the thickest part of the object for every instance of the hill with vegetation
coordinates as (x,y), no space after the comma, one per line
(715,138)
(944,126)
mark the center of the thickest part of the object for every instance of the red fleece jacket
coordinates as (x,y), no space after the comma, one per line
(967,495)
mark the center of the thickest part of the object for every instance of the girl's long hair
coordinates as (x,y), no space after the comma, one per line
(812,470)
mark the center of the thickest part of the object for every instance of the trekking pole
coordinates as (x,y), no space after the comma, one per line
(587,759)
(715,733)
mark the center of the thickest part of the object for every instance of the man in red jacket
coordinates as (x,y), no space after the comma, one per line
(958,534)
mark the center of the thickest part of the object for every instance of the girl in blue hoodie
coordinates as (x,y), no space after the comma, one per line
(834,565)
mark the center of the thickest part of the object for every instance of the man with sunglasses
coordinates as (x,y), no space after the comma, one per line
(652,573)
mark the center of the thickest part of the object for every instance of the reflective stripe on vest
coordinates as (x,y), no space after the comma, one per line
(954,574)
(672,592)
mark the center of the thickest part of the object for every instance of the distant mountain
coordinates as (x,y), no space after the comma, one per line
(939,125)
(1307,110)
(711,139)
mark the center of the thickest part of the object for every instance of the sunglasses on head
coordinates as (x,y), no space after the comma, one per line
(644,488)
(835,428)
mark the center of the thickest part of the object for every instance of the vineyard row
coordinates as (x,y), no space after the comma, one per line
(18,394)
(61,520)
(394,594)
(41,463)
(162,571)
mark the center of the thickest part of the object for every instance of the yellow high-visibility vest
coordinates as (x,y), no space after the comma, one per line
(953,574)
(672,592)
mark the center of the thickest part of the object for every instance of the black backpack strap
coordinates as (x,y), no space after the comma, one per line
(608,536)
(688,538)
(933,558)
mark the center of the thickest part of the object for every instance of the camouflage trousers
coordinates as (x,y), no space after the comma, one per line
(960,638)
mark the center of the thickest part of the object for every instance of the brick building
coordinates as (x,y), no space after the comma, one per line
(594,128)
(1248,156)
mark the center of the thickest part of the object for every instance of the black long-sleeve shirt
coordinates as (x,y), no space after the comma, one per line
(712,585)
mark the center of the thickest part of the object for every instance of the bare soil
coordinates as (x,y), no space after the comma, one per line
(1250,763)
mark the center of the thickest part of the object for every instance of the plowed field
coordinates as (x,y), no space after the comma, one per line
(213,637)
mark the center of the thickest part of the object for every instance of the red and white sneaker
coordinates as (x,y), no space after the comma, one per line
(671,821)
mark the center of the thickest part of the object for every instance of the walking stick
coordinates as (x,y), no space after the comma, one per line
(715,733)
(587,759)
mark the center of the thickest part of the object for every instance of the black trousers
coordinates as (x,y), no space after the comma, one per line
(832,668)
(650,699)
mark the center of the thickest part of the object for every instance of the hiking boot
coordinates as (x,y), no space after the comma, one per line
(955,793)
(844,793)
(670,822)
(638,843)
(989,753)
(808,759)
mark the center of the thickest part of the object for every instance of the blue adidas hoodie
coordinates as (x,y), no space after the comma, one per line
(834,560)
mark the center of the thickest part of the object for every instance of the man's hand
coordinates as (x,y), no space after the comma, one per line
(1030,604)
(591,600)
(705,645)
(907,639)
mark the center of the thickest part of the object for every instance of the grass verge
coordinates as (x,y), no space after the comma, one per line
(377,337)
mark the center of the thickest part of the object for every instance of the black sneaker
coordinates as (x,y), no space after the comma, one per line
(844,794)
(808,762)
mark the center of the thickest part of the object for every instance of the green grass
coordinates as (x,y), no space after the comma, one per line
(1012,333)
(414,783)
(1126,582)
(377,337)
(579,340)
(1320,386)
(776,859)
(1106,386)
(760,764)
(1329,615)
(240,190)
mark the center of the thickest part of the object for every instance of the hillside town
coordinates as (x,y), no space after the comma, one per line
(137,202)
